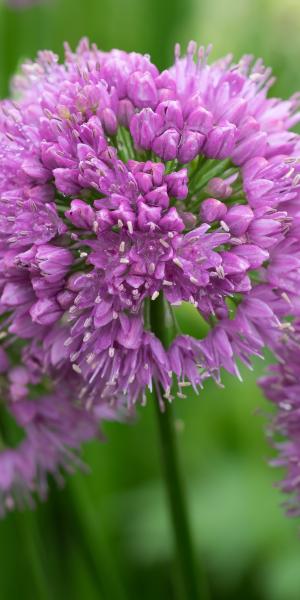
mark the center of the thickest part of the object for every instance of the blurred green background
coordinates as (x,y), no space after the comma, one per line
(107,535)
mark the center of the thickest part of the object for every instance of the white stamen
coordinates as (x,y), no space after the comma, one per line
(124,261)
(286,297)
(164,243)
(95,226)
(193,279)
(285,405)
(122,247)
(286,326)
(90,357)
(76,368)
(289,173)
(224,225)
(168,395)
(255,77)
(177,262)
(220,272)
(155,295)
(89,403)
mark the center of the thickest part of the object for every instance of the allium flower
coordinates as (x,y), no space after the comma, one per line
(54,425)
(53,430)
(120,187)
(282,386)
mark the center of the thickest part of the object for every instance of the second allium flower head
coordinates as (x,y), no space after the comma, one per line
(122,185)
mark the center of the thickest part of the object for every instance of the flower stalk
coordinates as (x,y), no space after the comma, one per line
(192,580)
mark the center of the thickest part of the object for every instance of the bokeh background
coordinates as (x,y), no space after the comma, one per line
(107,535)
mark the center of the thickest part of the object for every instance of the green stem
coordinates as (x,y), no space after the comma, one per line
(35,553)
(75,507)
(27,522)
(192,581)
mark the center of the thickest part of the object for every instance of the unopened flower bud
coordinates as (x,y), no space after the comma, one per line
(211,210)
(220,141)
(238,219)
(125,112)
(190,145)
(142,90)
(53,261)
(166,144)
(148,215)
(144,126)
(158,197)
(177,183)
(171,221)
(170,111)
(81,214)
(218,188)
(109,121)
(200,120)
(45,311)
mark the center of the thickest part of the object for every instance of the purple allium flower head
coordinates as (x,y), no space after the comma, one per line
(120,186)
(53,431)
(282,386)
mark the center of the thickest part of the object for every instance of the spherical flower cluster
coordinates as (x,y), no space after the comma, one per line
(122,189)
(282,387)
